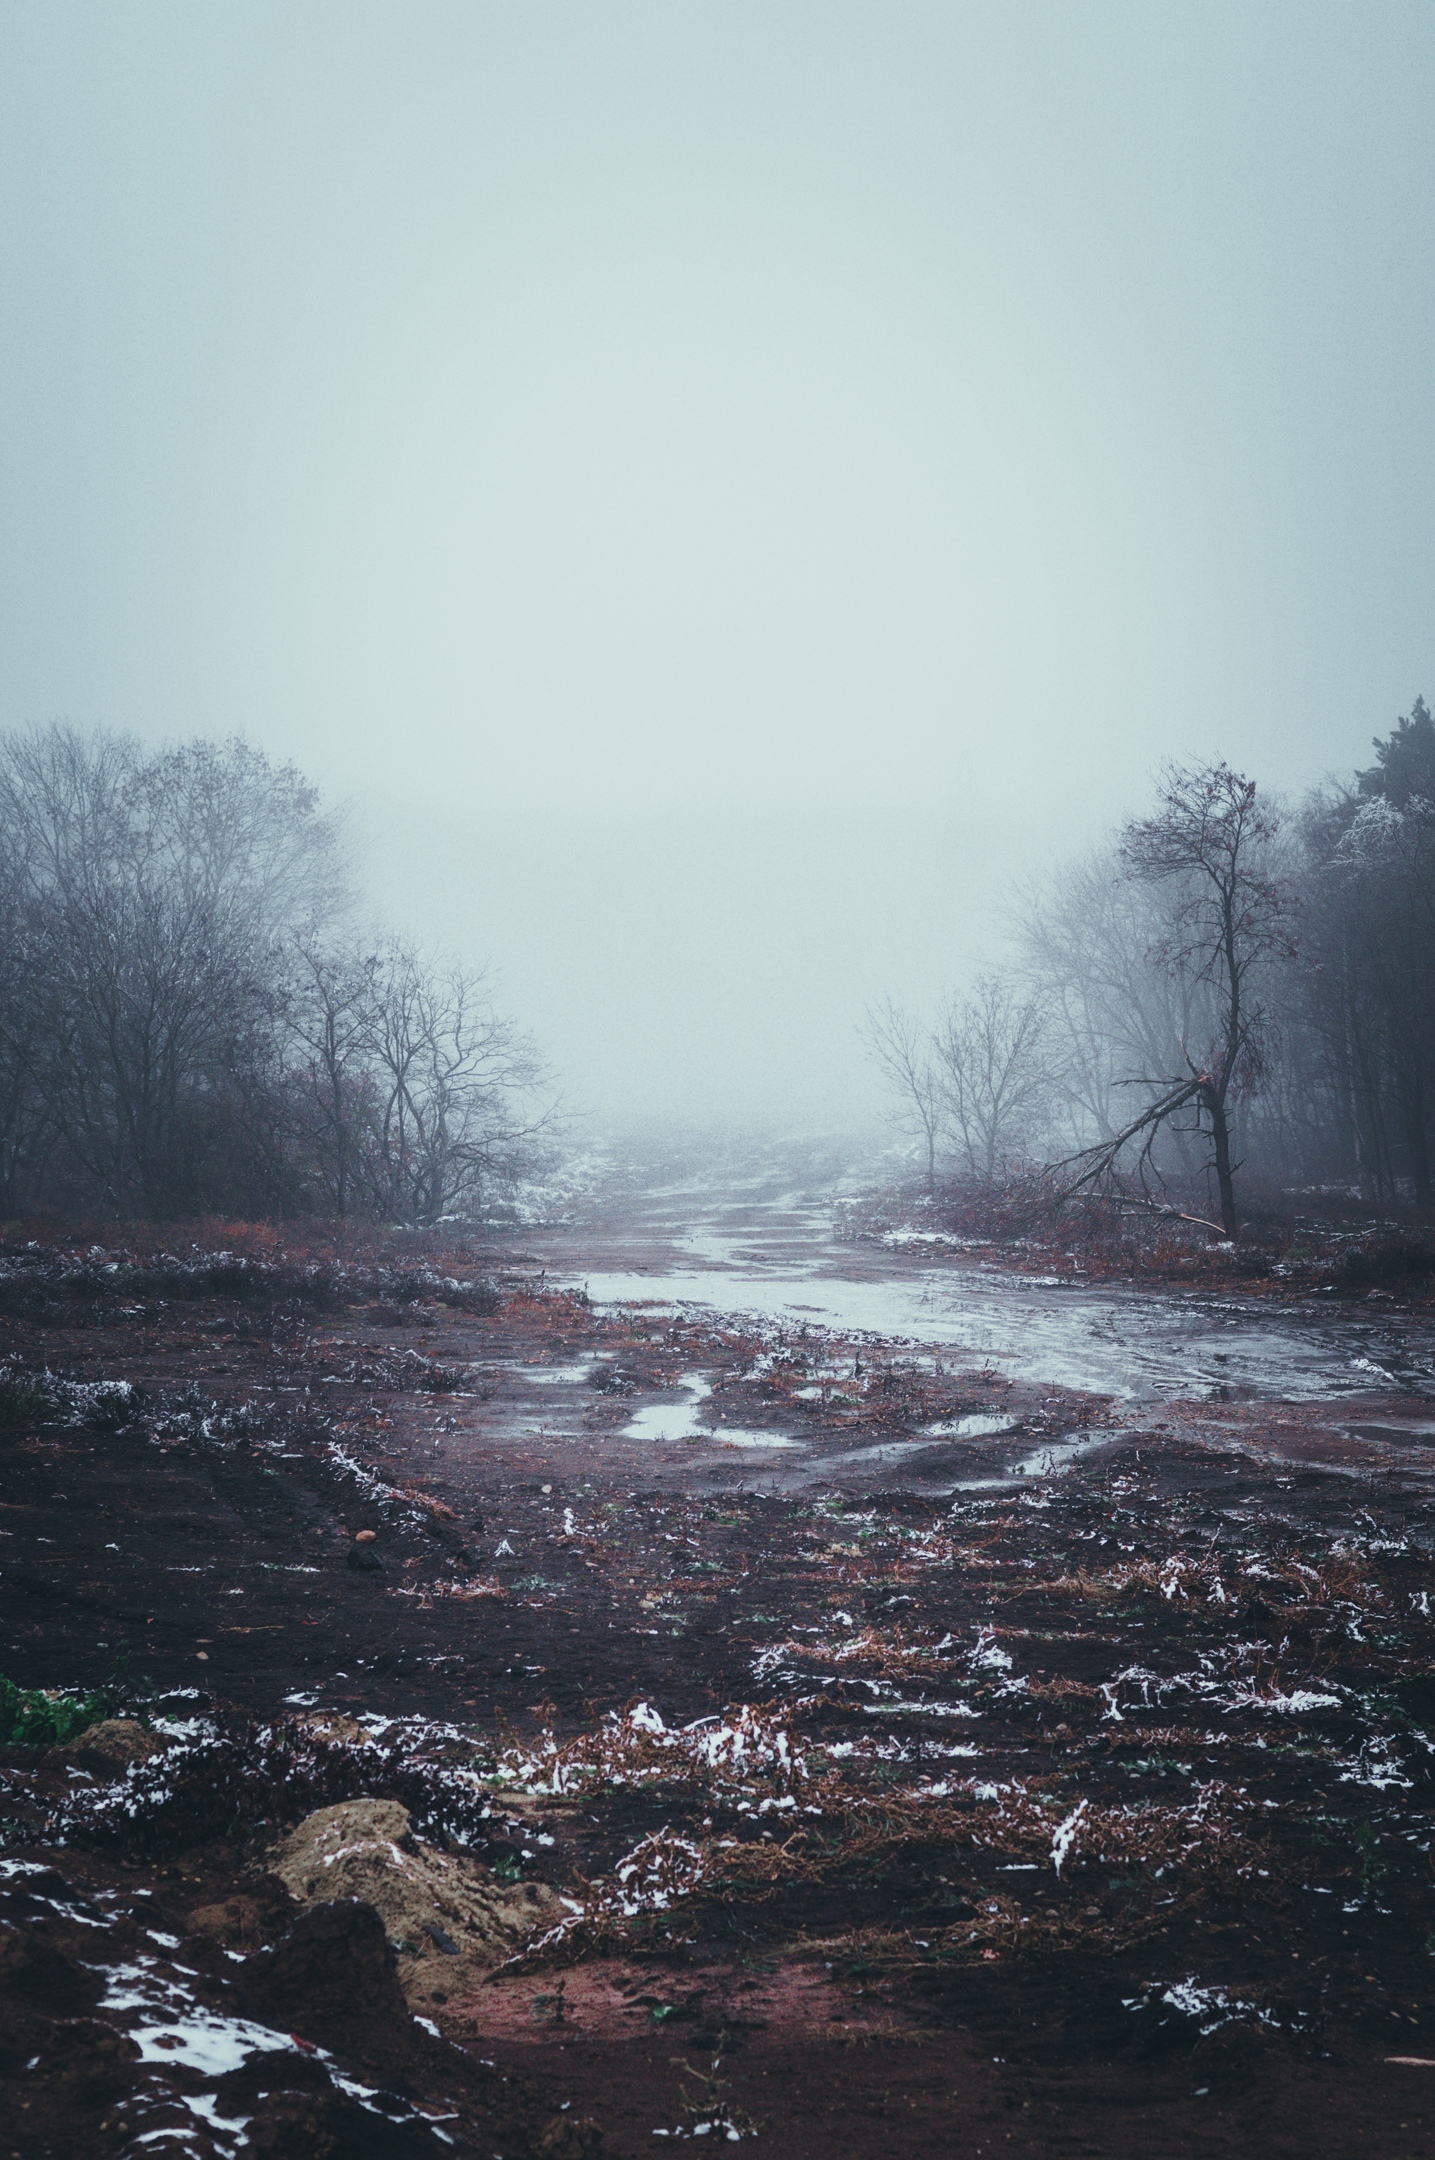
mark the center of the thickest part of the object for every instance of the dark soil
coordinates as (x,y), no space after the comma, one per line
(1088,1815)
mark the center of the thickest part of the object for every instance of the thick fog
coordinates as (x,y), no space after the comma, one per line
(701,963)
(720,491)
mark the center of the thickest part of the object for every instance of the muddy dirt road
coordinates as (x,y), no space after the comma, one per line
(770,1240)
(930,1709)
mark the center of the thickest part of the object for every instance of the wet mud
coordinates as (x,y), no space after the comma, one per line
(930,1752)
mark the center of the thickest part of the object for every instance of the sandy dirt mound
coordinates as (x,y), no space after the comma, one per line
(447,1917)
(107,1750)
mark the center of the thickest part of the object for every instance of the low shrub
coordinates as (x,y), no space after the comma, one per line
(1394,1256)
(34,1718)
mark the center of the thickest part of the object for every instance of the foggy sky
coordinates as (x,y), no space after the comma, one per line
(720,488)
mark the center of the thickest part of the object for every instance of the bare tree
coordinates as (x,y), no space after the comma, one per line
(450,1079)
(164,885)
(27,1126)
(1165,962)
(992,1052)
(1209,843)
(330,1022)
(902,1051)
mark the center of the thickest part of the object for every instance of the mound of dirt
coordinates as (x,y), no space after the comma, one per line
(247,1919)
(108,1749)
(445,1914)
(332,1976)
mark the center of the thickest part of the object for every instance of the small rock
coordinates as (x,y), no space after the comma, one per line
(366,1537)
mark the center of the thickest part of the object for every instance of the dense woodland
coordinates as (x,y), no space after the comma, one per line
(1232,999)
(190,1021)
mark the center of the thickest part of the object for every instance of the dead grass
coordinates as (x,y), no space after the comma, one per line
(777,1820)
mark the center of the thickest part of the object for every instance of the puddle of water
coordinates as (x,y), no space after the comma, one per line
(979,1484)
(886,1451)
(663,1421)
(731,1436)
(685,1421)
(552,1375)
(1059,1455)
(1374,1429)
(1047,1461)
(1136,1346)
(971,1428)
(690,1420)
(753,1233)
(671,1421)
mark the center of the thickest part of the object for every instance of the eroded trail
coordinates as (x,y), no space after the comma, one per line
(755,1713)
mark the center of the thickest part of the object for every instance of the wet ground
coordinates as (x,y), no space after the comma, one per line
(965,1711)
(774,1240)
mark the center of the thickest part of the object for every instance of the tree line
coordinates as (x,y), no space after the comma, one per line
(1230,997)
(191,1022)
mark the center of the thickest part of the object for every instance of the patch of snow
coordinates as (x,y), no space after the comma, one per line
(179,2030)
(987,1654)
(1065,1836)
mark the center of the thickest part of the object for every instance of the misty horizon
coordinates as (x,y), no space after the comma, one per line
(726,497)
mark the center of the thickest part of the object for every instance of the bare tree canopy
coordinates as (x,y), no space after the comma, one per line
(905,1056)
(992,1052)
(184,1020)
(976,1084)
(1328,1049)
